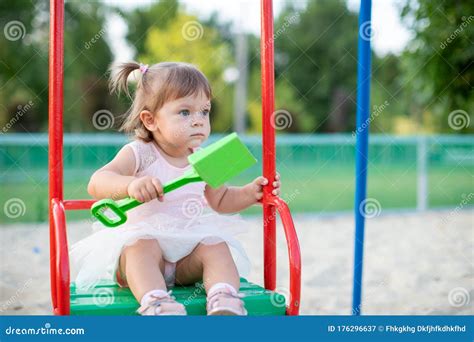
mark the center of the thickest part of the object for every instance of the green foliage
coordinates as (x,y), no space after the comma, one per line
(315,64)
(87,58)
(316,56)
(173,35)
(438,67)
(24,65)
(186,40)
(142,19)
(387,94)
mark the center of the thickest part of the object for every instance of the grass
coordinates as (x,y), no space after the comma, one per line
(322,189)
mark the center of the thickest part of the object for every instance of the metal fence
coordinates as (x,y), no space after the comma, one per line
(317,170)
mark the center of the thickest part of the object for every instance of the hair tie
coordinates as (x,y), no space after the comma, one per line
(143,68)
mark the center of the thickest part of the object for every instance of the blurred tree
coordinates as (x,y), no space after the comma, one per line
(24,64)
(315,53)
(315,58)
(164,32)
(141,19)
(289,106)
(387,93)
(438,65)
(86,62)
(186,39)
(23,67)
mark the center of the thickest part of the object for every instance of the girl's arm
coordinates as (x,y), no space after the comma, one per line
(112,180)
(233,199)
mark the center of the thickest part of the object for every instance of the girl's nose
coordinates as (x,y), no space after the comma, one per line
(197,120)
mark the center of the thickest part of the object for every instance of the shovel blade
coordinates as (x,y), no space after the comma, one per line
(222,160)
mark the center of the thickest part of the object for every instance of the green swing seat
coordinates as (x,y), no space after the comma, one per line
(109,299)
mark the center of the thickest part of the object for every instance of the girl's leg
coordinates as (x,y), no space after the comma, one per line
(143,266)
(211,263)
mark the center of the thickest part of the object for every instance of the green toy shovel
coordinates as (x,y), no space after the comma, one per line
(214,164)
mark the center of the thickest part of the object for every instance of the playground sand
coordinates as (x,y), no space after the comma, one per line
(415,264)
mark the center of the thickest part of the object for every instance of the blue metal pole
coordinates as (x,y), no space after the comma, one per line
(362,142)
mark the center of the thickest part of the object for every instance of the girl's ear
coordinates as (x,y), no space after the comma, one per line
(148,119)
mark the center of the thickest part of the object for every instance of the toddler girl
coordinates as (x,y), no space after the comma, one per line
(180,238)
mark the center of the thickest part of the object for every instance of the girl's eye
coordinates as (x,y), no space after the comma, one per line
(184,112)
(205,112)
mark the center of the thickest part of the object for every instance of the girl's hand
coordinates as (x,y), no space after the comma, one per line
(255,188)
(146,188)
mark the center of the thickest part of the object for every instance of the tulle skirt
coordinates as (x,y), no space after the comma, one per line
(96,257)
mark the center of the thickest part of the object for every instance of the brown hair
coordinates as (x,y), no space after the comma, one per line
(158,84)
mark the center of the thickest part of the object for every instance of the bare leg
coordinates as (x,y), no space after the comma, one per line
(143,265)
(212,263)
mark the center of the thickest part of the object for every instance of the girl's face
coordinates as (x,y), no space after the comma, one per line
(184,122)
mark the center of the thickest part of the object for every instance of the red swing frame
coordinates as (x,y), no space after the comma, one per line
(59,257)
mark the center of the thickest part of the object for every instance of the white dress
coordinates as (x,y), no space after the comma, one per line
(179,223)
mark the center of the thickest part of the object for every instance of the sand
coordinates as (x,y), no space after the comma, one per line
(415,264)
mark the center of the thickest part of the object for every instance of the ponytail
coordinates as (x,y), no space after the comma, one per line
(119,75)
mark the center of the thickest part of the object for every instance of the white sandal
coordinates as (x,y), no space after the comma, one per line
(162,306)
(224,302)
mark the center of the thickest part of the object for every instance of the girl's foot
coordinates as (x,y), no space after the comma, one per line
(225,302)
(161,304)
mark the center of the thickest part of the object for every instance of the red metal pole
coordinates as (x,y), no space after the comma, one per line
(56,63)
(61,259)
(268,152)
(294,256)
(78,204)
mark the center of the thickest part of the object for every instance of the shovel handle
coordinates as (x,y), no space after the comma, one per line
(120,207)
